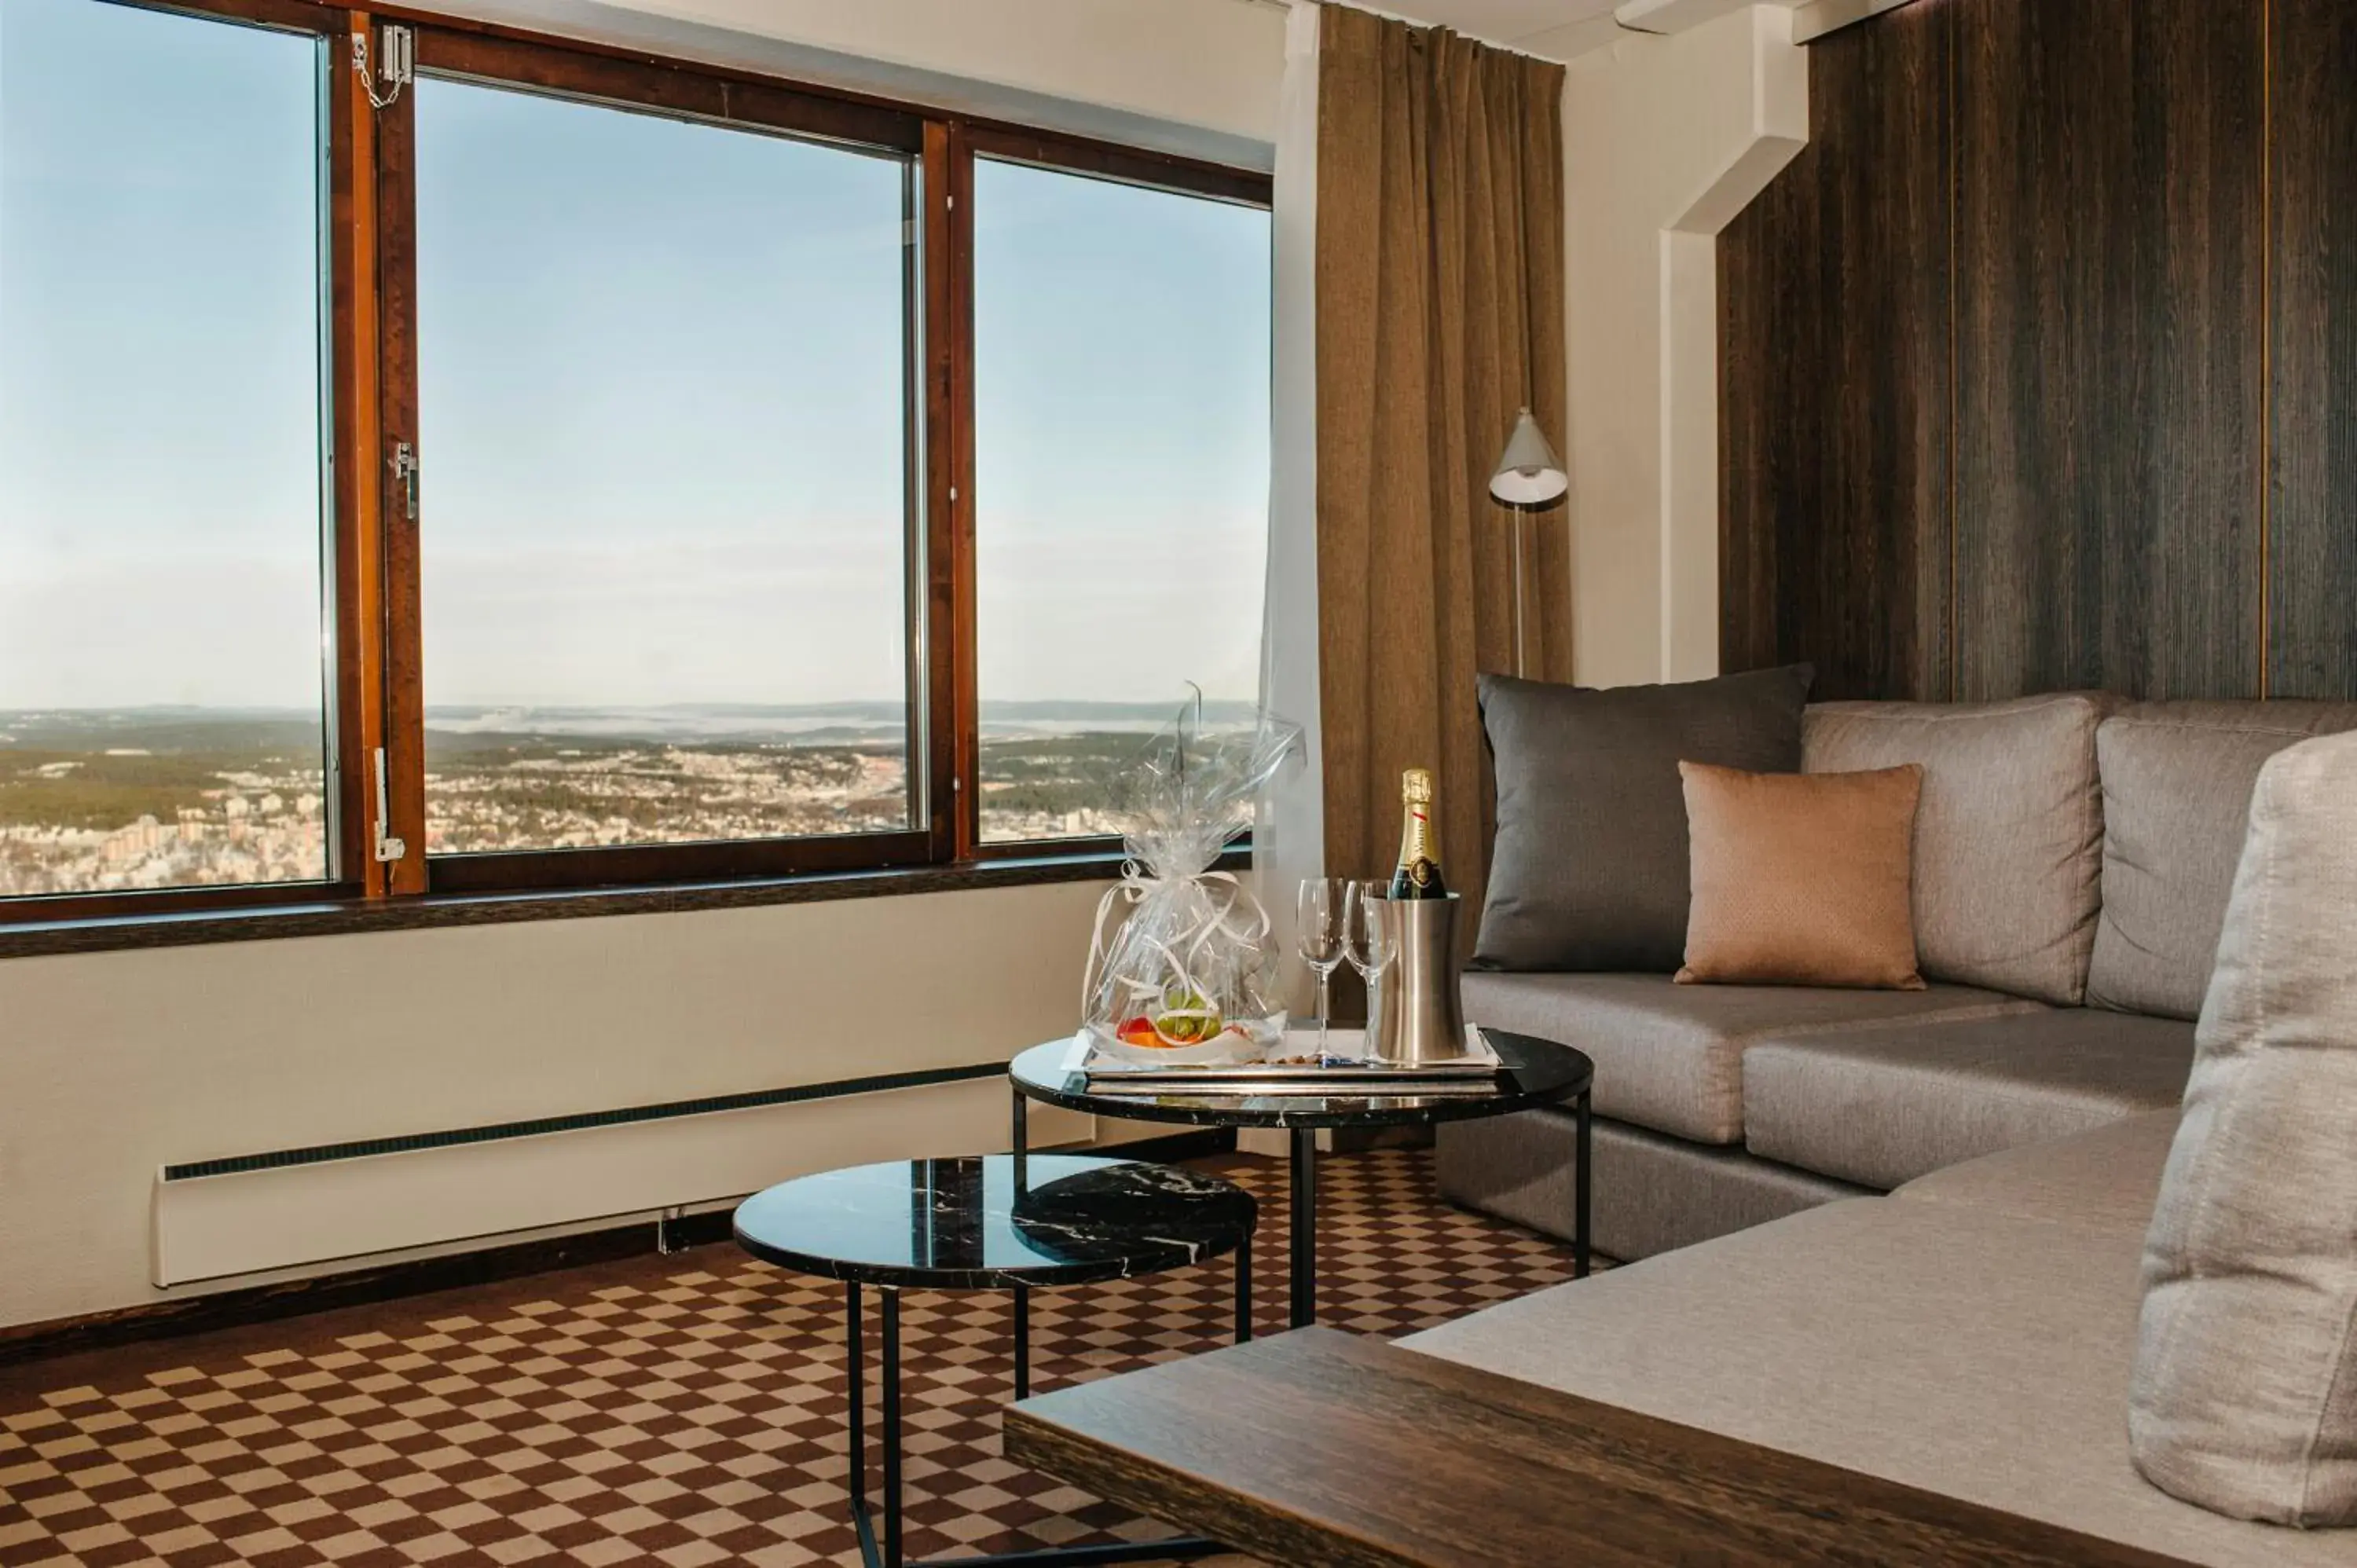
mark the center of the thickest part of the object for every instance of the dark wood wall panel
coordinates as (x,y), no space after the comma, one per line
(2039,364)
(2313,524)
(1835,378)
(2110,237)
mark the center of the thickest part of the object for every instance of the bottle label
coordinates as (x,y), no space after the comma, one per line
(1418,873)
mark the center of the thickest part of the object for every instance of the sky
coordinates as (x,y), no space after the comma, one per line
(660,383)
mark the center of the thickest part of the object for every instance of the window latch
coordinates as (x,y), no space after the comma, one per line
(396,65)
(388,848)
(404,474)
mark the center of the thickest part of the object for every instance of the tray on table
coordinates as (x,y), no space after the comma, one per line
(1299,1069)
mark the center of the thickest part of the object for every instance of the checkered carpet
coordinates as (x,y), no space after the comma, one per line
(676,1410)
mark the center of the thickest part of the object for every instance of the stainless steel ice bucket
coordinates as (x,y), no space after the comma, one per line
(1416,1016)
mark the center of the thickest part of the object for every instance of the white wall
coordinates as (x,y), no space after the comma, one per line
(111,1065)
(1198,76)
(114,1064)
(1665,140)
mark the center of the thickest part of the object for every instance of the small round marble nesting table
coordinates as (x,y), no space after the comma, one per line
(1007,1223)
(1533,1072)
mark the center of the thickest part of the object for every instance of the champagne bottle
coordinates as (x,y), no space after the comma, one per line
(1418,875)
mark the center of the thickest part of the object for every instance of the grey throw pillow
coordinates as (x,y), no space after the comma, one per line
(2009,844)
(2244,1396)
(2178,778)
(1589,871)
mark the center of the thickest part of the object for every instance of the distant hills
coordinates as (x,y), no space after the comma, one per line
(167,728)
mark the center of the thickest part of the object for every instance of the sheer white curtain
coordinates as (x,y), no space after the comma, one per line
(1289,838)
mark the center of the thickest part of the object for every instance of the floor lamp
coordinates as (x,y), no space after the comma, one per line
(1528,478)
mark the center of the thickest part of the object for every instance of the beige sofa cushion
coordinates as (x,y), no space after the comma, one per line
(1975,1354)
(2246,1392)
(2177,796)
(2009,839)
(2106,1180)
(1670,1056)
(1883,1105)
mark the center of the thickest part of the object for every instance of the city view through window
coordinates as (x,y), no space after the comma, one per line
(161,713)
(662,382)
(1121,456)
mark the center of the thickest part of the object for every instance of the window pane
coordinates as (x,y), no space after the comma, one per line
(161,682)
(1121,424)
(662,390)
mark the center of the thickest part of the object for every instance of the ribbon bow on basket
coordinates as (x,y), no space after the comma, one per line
(1186,964)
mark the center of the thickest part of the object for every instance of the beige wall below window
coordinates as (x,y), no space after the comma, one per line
(113,1065)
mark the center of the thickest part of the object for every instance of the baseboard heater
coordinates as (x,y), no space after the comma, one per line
(300,1208)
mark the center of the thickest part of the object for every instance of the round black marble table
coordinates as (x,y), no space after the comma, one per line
(991,1222)
(1534,1072)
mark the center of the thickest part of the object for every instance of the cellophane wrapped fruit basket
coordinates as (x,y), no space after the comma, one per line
(1191,975)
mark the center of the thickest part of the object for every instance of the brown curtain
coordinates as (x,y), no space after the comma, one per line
(1441,299)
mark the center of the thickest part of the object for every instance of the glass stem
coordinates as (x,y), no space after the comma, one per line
(1325,992)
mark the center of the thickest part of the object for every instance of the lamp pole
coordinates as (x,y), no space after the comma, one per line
(1522,671)
(1528,477)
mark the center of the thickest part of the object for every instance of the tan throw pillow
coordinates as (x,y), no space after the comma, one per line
(1801,878)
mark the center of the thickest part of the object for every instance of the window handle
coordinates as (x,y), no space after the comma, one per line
(388,848)
(404,474)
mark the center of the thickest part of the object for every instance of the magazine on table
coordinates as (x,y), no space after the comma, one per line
(1297,1066)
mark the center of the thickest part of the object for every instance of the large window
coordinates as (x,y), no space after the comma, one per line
(664,380)
(558,468)
(1121,432)
(163,717)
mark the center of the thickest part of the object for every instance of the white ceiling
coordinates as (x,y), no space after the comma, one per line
(1556,28)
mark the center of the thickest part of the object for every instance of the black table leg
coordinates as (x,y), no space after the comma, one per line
(1580,1198)
(854,1481)
(891,1429)
(1022,1342)
(1022,1145)
(1304,1227)
(1244,1291)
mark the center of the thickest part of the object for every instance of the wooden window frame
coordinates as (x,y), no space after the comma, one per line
(376,683)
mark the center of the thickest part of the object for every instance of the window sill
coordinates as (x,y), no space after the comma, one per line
(345,917)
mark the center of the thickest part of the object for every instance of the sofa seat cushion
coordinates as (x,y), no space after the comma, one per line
(1975,1354)
(2106,1180)
(2010,837)
(1879,1106)
(2176,799)
(1651,1193)
(1670,1056)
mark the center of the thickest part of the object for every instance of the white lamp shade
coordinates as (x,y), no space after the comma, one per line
(1528,472)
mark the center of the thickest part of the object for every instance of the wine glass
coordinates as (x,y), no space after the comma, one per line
(1319,914)
(1368,942)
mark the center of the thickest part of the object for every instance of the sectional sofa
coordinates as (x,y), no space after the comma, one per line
(1973,1331)
(2074,856)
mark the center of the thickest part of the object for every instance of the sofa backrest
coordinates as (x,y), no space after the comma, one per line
(2009,839)
(2177,779)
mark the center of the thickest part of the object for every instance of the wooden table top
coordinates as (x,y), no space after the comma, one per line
(1320,1447)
